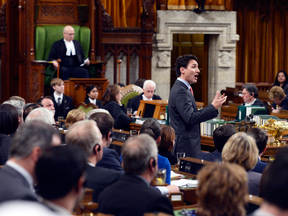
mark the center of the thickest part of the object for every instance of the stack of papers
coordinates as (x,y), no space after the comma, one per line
(185,183)
(175,175)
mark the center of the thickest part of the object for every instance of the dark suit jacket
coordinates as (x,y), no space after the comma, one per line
(135,101)
(283,105)
(14,186)
(165,153)
(254,179)
(110,160)
(99,178)
(260,166)
(211,156)
(67,105)
(58,51)
(185,118)
(122,121)
(132,196)
(5,142)
(98,103)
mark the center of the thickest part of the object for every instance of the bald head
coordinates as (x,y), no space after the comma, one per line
(68,33)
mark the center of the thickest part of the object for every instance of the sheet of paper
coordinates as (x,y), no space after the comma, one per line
(185,182)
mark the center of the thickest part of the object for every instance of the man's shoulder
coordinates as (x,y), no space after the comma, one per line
(102,172)
(61,41)
(156,97)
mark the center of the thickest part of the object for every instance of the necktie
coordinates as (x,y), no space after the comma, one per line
(191,91)
(59,101)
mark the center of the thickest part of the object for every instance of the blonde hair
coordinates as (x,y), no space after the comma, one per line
(276,92)
(221,190)
(73,116)
(241,149)
(56,81)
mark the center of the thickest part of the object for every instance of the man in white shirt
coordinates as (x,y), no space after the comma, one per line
(17,176)
(62,103)
(71,54)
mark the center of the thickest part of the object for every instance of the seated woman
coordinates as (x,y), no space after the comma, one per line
(112,103)
(73,116)
(153,128)
(280,100)
(8,126)
(242,150)
(92,95)
(221,190)
(166,144)
(281,80)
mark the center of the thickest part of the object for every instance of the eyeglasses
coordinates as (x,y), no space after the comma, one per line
(70,34)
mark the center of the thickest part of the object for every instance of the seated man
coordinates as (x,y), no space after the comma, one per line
(17,176)
(249,95)
(71,54)
(220,137)
(110,159)
(280,99)
(261,138)
(87,136)
(62,103)
(149,88)
(274,188)
(47,103)
(41,114)
(132,195)
(60,174)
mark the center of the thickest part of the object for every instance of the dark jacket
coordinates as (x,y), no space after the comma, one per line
(98,103)
(64,108)
(5,142)
(210,156)
(165,153)
(110,160)
(135,101)
(132,196)
(283,105)
(185,118)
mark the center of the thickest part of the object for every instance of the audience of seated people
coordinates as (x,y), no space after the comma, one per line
(8,126)
(220,137)
(17,176)
(153,128)
(19,105)
(28,108)
(274,188)
(221,190)
(62,103)
(132,195)
(281,80)
(87,136)
(73,116)
(279,98)
(166,144)
(92,95)
(110,159)
(47,103)
(112,103)
(41,114)
(261,138)
(149,88)
(242,150)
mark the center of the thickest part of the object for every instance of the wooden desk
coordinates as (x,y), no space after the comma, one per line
(160,107)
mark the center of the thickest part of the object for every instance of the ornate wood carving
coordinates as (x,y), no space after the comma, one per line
(58,10)
(106,19)
(147,16)
(3,18)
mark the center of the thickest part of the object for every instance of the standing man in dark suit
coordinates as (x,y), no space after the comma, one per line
(185,118)
(110,159)
(71,54)
(62,103)
(149,88)
(87,136)
(17,176)
(132,194)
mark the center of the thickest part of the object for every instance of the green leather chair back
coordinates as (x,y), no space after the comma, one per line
(127,97)
(46,35)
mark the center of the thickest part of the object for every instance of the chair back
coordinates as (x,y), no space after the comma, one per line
(129,92)
(86,107)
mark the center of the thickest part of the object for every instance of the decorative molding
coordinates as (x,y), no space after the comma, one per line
(164,59)
(106,19)
(147,16)
(3,18)
(35,85)
(222,23)
(58,10)
(224,59)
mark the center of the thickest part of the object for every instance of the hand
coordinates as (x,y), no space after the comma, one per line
(218,100)
(275,110)
(55,64)
(87,62)
(173,189)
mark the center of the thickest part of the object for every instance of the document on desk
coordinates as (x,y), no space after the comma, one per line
(185,183)
(84,62)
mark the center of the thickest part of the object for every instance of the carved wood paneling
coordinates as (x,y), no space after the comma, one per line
(3,18)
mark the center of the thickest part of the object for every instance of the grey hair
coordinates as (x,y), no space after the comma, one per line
(30,135)
(91,112)
(84,134)
(18,104)
(149,82)
(136,153)
(41,114)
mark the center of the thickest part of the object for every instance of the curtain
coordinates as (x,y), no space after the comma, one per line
(191,4)
(2,2)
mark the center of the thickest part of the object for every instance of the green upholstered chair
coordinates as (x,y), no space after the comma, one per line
(129,92)
(86,107)
(46,35)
